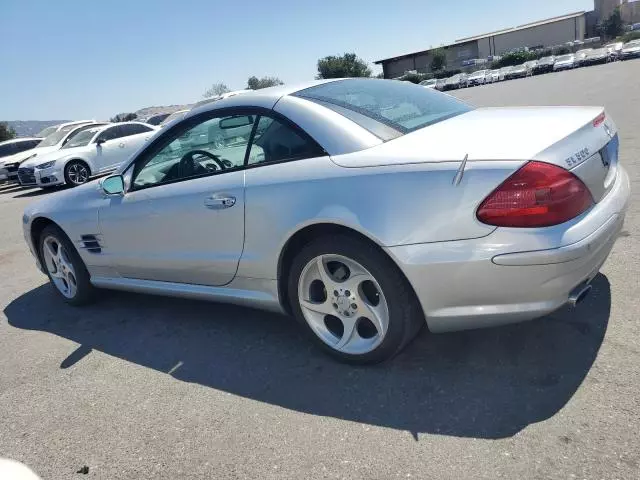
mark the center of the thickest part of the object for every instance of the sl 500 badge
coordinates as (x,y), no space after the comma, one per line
(577,157)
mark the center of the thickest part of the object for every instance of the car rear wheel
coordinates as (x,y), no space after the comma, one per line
(76,173)
(353,299)
(64,267)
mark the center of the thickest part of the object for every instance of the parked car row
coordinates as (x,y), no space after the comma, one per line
(71,153)
(582,58)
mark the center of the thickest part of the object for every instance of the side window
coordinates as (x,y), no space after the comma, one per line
(109,134)
(23,146)
(33,143)
(136,128)
(276,141)
(212,145)
(6,150)
(76,132)
(133,129)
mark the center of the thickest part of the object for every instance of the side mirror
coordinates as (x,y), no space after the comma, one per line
(100,141)
(113,185)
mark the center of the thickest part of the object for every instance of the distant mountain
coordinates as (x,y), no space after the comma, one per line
(29,128)
(147,112)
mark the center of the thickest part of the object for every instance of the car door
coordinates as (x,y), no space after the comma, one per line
(109,148)
(182,217)
(133,137)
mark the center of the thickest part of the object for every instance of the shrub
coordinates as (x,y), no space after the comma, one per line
(6,132)
(543,52)
(447,73)
(414,77)
(627,37)
(516,58)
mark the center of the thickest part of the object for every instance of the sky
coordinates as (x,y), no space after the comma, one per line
(77,59)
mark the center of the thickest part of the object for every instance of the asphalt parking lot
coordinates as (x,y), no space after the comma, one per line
(146,387)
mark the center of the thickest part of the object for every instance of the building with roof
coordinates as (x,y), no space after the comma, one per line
(543,33)
(547,33)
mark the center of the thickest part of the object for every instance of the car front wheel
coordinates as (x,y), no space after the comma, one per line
(353,299)
(64,267)
(76,173)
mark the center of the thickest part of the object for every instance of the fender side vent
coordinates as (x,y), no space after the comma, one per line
(91,243)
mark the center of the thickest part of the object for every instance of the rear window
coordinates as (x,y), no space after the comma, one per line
(402,106)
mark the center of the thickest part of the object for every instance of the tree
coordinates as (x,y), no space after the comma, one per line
(439,61)
(255,83)
(6,132)
(416,77)
(516,58)
(347,65)
(124,117)
(612,26)
(216,90)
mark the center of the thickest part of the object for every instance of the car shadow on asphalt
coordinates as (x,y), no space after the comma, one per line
(485,384)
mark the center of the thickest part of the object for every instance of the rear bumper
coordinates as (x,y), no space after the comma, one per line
(627,56)
(512,274)
(595,61)
(543,69)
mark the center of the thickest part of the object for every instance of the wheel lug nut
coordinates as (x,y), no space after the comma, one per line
(335,292)
(335,305)
(354,306)
(347,293)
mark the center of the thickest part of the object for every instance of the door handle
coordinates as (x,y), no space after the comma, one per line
(218,202)
(121,145)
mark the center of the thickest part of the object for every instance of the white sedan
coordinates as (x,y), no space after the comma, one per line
(91,152)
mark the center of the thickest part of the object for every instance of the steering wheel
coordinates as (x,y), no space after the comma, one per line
(189,164)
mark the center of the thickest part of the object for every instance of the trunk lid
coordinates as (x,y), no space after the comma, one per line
(563,136)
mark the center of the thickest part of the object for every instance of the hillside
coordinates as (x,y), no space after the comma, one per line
(29,128)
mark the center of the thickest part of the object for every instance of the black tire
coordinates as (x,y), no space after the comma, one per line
(85,291)
(405,314)
(75,164)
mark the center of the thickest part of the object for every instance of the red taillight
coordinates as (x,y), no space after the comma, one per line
(599,119)
(537,195)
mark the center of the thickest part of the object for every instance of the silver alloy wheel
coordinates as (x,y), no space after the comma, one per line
(78,173)
(59,267)
(343,304)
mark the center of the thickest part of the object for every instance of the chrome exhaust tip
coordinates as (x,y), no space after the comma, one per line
(578,294)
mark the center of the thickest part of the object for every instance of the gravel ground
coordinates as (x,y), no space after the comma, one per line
(146,387)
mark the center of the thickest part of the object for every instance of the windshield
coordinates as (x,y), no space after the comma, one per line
(564,58)
(81,139)
(173,116)
(479,73)
(400,105)
(633,43)
(546,60)
(52,139)
(428,82)
(47,131)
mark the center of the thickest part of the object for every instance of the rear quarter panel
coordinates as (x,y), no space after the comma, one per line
(392,205)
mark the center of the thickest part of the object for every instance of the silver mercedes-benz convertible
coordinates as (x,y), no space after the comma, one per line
(364,208)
